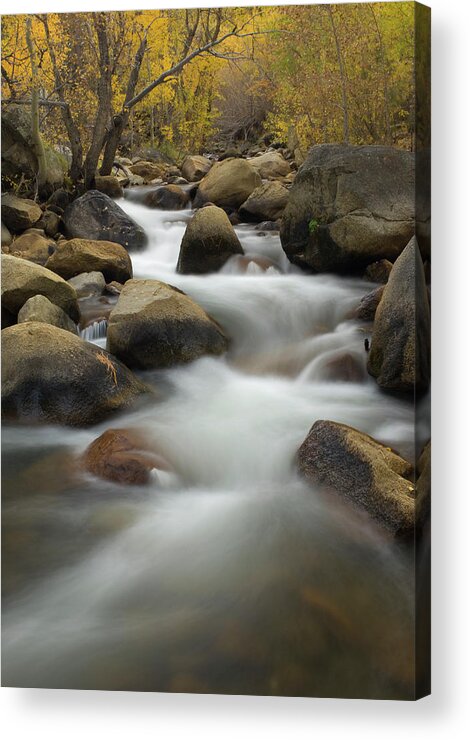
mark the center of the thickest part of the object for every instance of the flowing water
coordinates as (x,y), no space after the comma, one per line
(227,574)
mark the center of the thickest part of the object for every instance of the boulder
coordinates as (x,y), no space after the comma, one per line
(60,199)
(53,377)
(22,280)
(19,214)
(378,272)
(368,305)
(51,221)
(195,167)
(155,325)
(18,151)
(96,216)
(109,184)
(122,456)
(347,462)
(76,256)
(399,356)
(168,198)
(114,288)
(6,236)
(349,206)
(148,170)
(266,203)
(39,308)
(208,242)
(228,183)
(343,368)
(34,247)
(88,283)
(270,165)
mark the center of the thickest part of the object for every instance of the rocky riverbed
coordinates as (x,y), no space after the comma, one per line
(211,478)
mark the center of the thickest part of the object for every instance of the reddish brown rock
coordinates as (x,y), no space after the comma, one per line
(122,456)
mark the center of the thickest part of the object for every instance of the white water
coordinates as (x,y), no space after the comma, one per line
(164,588)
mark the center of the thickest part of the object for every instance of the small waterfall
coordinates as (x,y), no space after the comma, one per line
(95,332)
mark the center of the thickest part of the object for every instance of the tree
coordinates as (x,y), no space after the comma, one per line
(36,134)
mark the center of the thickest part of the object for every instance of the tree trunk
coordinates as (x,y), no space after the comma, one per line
(103,113)
(36,134)
(120,121)
(73,133)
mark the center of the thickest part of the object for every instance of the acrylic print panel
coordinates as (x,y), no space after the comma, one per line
(215,378)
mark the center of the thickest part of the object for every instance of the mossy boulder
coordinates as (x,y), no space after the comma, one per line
(399,356)
(50,376)
(155,325)
(228,183)
(349,206)
(96,216)
(77,256)
(342,460)
(208,242)
(22,280)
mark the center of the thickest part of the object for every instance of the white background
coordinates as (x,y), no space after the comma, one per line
(77,715)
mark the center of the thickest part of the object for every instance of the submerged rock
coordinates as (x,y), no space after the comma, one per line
(169,198)
(19,214)
(22,280)
(53,377)
(39,308)
(349,206)
(228,183)
(77,256)
(208,242)
(348,462)
(122,456)
(399,357)
(96,216)
(155,325)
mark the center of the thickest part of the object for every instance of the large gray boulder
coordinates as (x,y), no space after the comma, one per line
(51,376)
(155,325)
(266,203)
(195,167)
(75,256)
(399,356)
(208,242)
(39,308)
(22,280)
(228,183)
(96,216)
(349,206)
(19,214)
(349,463)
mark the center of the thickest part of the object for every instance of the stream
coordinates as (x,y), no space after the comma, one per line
(229,574)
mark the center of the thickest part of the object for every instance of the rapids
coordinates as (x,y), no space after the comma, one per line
(228,575)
